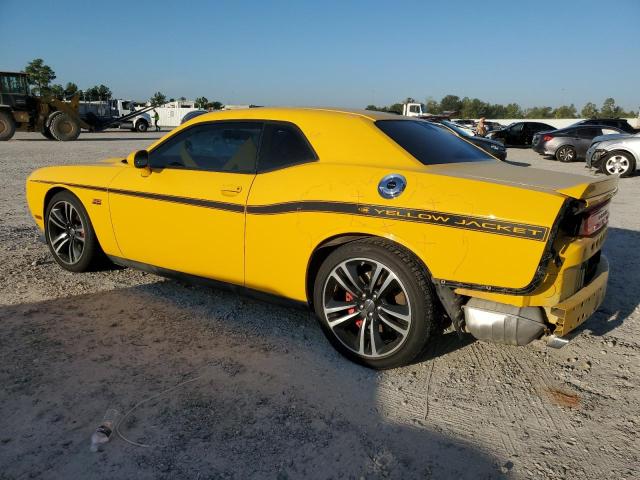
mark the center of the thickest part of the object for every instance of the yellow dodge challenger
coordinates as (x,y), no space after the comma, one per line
(390,228)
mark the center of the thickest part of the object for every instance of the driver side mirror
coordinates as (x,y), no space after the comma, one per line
(140,159)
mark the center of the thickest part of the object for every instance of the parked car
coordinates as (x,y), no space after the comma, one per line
(380,223)
(492,126)
(619,155)
(620,123)
(571,143)
(496,149)
(519,134)
(472,124)
(466,123)
(193,114)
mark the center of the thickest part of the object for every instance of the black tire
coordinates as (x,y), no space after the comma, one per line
(64,128)
(47,133)
(7,126)
(625,164)
(419,297)
(142,126)
(90,253)
(566,154)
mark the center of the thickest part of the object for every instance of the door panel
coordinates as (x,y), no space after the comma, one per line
(187,212)
(184,220)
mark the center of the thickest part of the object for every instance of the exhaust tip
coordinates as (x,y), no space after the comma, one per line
(501,323)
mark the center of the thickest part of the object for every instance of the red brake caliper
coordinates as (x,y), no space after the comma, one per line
(348,297)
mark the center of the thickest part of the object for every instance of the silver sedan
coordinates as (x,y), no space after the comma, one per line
(616,156)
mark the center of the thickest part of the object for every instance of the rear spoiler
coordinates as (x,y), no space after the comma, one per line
(593,193)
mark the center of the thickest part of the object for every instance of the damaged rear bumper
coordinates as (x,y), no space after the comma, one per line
(501,323)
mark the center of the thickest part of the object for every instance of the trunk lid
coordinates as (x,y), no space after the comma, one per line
(592,190)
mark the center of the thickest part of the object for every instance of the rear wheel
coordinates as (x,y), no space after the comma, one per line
(69,233)
(618,163)
(7,126)
(566,154)
(374,303)
(64,128)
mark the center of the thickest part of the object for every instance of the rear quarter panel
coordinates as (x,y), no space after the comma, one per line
(279,245)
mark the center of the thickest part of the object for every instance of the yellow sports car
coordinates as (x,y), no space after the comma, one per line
(389,227)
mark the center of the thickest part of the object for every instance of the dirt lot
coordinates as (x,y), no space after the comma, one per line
(270,398)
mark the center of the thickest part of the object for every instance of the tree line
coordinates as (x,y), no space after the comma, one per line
(41,76)
(475,108)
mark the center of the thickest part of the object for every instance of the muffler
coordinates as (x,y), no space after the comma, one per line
(501,323)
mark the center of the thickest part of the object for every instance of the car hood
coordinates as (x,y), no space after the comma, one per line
(568,184)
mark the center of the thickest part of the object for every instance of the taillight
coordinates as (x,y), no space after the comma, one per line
(593,220)
(546,138)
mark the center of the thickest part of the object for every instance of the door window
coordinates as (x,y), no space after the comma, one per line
(517,128)
(589,132)
(214,147)
(283,145)
(609,131)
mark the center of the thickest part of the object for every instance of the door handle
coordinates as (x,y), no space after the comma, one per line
(230,189)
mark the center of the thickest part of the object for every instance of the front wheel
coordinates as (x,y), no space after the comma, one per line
(374,303)
(69,233)
(47,133)
(566,154)
(64,128)
(618,163)
(142,126)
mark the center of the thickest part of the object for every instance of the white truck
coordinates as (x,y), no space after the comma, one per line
(415,110)
(113,109)
(139,123)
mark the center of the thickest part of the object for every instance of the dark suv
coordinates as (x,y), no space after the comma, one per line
(620,123)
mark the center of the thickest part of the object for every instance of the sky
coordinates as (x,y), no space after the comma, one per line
(339,53)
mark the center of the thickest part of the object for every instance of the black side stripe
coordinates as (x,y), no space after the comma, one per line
(196,202)
(76,185)
(230,207)
(467,222)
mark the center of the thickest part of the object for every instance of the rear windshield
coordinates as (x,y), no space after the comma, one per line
(429,144)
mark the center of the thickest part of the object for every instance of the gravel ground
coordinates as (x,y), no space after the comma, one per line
(269,398)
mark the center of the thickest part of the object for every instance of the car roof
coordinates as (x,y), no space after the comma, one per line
(289,113)
(325,127)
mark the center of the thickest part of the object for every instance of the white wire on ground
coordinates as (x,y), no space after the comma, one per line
(142,402)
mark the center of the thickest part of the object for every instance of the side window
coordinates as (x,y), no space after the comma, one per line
(589,132)
(609,131)
(283,145)
(214,147)
(414,109)
(517,128)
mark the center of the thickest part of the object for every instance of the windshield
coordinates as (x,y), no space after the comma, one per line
(430,144)
(13,84)
(457,129)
